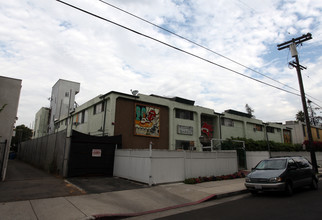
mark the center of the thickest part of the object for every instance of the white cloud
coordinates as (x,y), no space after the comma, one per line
(43,41)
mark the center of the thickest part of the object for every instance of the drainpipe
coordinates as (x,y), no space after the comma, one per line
(104,120)
(267,141)
(220,132)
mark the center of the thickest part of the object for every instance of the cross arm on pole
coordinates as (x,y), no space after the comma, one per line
(298,40)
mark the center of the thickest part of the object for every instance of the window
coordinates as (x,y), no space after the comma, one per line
(227,122)
(270,129)
(302,163)
(184,114)
(258,128)
(291,163)
(84,117)
(66,94)
(81,117)
(98,108)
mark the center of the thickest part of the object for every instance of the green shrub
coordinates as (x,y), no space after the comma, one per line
(252,145)
(239,174)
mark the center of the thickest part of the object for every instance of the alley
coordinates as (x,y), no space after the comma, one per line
(25,182)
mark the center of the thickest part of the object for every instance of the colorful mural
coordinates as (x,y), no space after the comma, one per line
(207,129)
(147,120)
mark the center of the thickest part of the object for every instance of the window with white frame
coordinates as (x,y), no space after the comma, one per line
(98,108)
(81,117)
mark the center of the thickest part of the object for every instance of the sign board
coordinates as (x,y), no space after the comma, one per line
(185,130)
(96,152)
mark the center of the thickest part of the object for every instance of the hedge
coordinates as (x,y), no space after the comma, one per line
(252,145)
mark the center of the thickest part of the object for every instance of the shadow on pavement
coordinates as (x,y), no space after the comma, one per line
(100,184)
(25,182)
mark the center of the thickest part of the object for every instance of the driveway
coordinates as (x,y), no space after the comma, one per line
(25,182)
(104,184)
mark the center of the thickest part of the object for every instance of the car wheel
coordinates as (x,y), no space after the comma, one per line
(314,184)
(289,189)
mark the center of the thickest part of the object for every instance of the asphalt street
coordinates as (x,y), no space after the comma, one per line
(304,204)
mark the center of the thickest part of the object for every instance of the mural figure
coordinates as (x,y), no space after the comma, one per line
(147,120)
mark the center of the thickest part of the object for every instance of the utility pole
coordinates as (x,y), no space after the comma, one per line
(291,44)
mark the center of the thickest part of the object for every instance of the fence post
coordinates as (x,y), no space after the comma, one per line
(150,156)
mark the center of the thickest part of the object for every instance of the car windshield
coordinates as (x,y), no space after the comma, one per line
(276,164)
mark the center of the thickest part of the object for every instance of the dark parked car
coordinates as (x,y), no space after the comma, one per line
(281,174)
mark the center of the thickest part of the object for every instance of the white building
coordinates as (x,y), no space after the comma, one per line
(238,124)
(169,123)
(62,100)
(41,122)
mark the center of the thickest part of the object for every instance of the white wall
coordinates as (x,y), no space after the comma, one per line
(254,157)
(163,166)
(305,154)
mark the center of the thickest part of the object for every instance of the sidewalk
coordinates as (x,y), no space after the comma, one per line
(121,203)
(125,203)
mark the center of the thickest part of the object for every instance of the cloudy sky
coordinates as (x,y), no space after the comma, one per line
(42,41)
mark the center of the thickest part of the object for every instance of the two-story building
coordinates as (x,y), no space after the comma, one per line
(235,124)
(168,123)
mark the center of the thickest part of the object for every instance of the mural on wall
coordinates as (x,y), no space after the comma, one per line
(207,129)
(147,120)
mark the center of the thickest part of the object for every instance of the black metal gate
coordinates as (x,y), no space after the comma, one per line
(92,155)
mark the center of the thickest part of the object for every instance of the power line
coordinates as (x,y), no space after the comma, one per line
(199,45)
(176,48)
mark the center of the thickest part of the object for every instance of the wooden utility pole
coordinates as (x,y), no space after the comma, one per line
(292,46)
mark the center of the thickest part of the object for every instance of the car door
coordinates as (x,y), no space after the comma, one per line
(293,173)
(305,175)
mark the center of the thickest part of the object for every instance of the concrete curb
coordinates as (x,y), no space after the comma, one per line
(208,198)
(124,215)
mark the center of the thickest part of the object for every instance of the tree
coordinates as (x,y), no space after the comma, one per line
(249,110)
(314,119)
(23,133)
(300,116)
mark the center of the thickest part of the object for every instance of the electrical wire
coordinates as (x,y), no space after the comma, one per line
(201,46)
(176,48)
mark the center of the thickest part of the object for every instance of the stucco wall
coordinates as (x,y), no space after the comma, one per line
(254,157)
(163,166)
